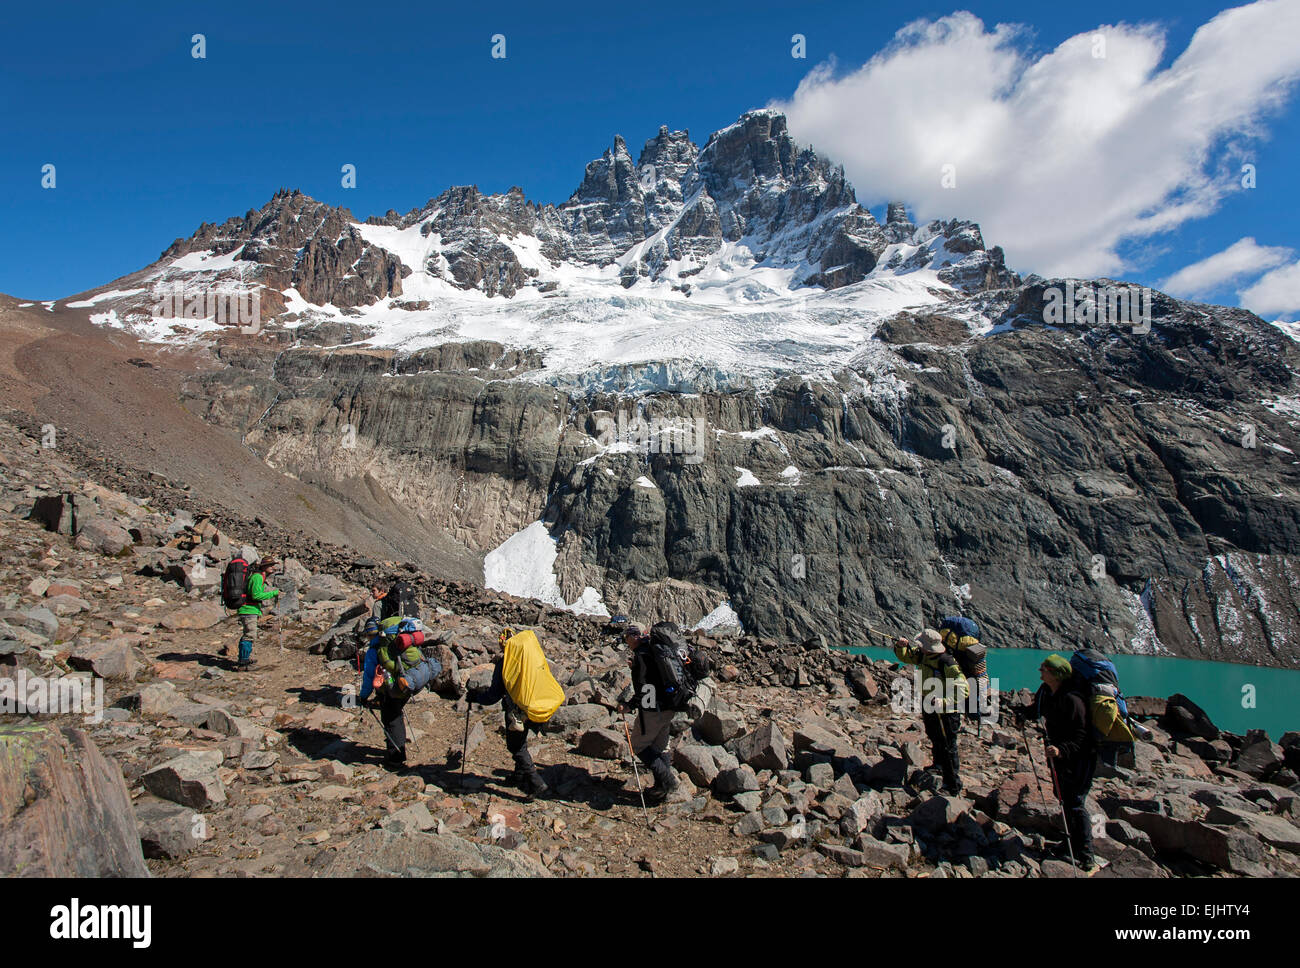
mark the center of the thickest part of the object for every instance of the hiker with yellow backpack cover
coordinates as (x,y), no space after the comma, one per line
(529,695)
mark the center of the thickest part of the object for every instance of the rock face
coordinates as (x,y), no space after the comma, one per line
(64,808)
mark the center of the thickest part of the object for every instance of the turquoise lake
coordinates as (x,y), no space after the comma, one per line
(1220,688)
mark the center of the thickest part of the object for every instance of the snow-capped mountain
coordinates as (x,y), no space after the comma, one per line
(750,253)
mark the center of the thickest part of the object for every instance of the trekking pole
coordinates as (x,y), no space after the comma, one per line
(464,747)
(1032,765)
(628,733)
(1065,822)
(884,635)
(382,728)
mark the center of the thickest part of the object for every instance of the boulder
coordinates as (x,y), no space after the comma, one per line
(58,512)
(169,830)
(719,723)
(696,762)
(863,684)
(1184,716)
(882,855)
(190,779)
(1258,757)
(585,715)
(861,814)
(738,780)
(937,813)
(764,748)
(64,807)
(1273,831)
(1227,848)
(323,588)
(199,615)
(603,744)
(400,851)
(39,620)
(108,658)
(103,535)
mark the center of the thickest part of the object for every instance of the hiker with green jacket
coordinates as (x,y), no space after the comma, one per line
(943,696)
(258,592)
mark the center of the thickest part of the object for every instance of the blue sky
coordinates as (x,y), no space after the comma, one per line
(148,141)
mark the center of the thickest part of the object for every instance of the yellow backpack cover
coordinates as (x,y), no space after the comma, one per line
(528,678)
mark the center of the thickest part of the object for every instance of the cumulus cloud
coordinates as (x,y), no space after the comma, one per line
(1064,156)
(1243,259)
(1276,292)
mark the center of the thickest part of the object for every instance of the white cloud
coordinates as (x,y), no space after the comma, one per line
(1242,259)
(1060,157)
(1276,292)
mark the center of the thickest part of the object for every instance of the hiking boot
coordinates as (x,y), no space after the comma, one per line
(395,761)
(223,651)
(666,782)
(530,782)
(243,665)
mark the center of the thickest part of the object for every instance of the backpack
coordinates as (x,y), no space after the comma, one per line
(668,668)
(965,647)
(527,677)
(1106,706)
(402,653)
(234,584)
(401,600)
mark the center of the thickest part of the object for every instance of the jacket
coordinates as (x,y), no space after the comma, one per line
(257,593)
(1065,719)
(939,674)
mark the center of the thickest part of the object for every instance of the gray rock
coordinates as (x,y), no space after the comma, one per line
(604,744)
(66,807)
(104,536)
(937,813)
(738,780)
(168,830)
(697,763)
(720,723)
(764,748)
(107,658)
(190,779)
(402,852)
(414,817)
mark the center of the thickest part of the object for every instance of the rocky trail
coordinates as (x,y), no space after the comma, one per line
(796,765)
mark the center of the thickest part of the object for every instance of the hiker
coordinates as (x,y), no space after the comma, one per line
(395,667)
(658,695)
(943,695)
(1061,703)
(255,592)
(521,675)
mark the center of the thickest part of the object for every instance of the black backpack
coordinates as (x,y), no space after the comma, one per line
(234,584)
(400,600)
(668,668)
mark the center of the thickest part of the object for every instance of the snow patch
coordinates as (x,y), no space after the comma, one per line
(524,565)
(721,618)
(747,478)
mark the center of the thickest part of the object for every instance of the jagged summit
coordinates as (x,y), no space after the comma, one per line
(750,203)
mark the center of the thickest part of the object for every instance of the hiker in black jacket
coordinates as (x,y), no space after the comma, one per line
(1061,703)
(651,731)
